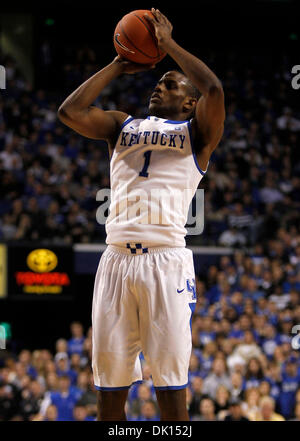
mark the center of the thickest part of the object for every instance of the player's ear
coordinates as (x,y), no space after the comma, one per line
(189,104)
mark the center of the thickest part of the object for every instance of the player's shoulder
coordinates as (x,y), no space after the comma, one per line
(132,122)
(118,116)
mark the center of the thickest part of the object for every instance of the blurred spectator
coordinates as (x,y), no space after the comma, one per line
(232,238)
(207,410)
(148,412)
(144,395)
(237,387)
(76,342)
(196,395)
(32,395)
(88,398)
(218,377)
(80,413)
(9,400)
(250,405)
(51,413)
(296,413)
(222,401)
(266,411)
(235,412)
(254,373)
(63,368)
(290,382)
(64,399)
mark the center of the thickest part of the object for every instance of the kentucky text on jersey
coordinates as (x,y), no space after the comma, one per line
(152,138)
(156,165)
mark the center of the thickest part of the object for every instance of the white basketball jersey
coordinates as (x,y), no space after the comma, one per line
(154,175)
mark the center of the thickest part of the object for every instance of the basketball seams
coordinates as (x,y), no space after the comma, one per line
(129,40)
(150,32)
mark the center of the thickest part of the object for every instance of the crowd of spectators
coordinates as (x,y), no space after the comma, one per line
(245,363)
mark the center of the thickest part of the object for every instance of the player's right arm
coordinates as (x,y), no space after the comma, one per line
(78,112)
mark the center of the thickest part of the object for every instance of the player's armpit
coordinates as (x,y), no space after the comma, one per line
(92,122)
(203,155)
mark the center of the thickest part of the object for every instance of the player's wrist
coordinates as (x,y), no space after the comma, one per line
(166,44)
(118,65)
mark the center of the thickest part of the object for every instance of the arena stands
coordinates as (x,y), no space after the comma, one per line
(243,364)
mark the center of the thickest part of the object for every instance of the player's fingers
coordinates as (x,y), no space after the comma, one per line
(159,14)
(150,19)
(154,12)
(162,18)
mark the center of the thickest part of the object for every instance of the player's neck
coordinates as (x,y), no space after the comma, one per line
(171,117)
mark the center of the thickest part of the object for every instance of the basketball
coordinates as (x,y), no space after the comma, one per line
(135,40)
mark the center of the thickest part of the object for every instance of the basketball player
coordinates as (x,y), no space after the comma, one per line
(144,292)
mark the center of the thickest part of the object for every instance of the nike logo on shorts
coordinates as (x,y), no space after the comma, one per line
(180,290)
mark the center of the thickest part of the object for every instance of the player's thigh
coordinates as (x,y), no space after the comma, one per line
(165,316)
(115,324)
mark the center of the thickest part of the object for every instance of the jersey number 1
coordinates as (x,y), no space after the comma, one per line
(144,172)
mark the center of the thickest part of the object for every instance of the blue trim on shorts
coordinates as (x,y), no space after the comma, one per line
(171,387)
(192,307)
(111,389)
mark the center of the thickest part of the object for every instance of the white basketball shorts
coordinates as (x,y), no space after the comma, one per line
(143,301)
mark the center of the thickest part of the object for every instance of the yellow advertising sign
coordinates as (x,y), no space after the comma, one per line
(41,260)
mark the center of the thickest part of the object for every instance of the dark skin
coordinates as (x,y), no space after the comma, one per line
(171,99)
(172,404)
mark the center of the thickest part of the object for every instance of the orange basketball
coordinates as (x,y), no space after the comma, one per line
(135,40)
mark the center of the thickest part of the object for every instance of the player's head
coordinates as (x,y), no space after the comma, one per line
(174,96)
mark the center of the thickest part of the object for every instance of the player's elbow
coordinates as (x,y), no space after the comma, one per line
(215,89)
(64,113)
(61,113)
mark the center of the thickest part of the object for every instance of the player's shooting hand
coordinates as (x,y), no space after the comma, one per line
(162,26)
(129,67)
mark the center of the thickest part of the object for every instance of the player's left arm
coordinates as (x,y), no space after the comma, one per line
(208,124)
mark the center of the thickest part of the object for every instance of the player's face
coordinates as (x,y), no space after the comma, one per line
(167,99)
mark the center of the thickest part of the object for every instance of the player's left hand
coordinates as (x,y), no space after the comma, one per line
(129,67)
(163,28)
